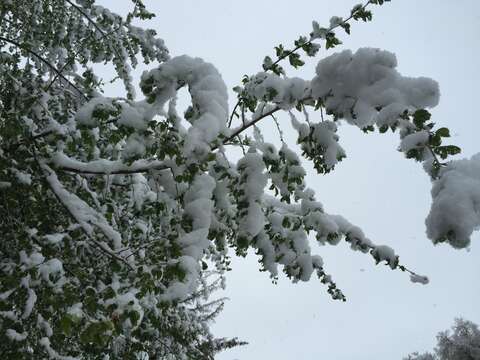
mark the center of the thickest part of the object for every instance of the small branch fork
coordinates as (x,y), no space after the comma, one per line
(248,125)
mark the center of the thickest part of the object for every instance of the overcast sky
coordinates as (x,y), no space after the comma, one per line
(386,316)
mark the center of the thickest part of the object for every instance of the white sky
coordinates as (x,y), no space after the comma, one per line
(386,316)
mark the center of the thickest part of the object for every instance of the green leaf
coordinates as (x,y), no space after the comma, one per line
(443,132)
(302,40)
(94,332)
(134,316)
(294,60)
(435,140)
(108,293)
(66,323)
(279,50)
(211,157)
(332,40)
(453,150)
(346,26)
(420,117)
(286,222)
(90,291)
(267,63)
(362,13)
(444,151)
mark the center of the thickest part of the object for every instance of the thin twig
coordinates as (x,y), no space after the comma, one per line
(233,113)
(280,132)
(243,114)
(330,29)
(241,145)
(247,125)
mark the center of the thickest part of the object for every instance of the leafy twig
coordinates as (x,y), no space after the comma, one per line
(46,62)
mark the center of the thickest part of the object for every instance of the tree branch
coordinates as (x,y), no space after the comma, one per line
(247,125)
(288,53)
(73,59)
(330,29)
(95,25)
(105,249)
(115,172)
(46,62)
(85,15)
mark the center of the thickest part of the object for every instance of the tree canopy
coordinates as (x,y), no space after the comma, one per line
(462,343)
(119,214)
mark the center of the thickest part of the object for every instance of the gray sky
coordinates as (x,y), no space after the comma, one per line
(386,316)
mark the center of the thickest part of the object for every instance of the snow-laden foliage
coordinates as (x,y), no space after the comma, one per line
(455,211)
(118,214)
(462,343)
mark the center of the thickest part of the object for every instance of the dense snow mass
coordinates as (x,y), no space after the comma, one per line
(128,206)
(209,98)
(455,211)
(357,84)
(280,90)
